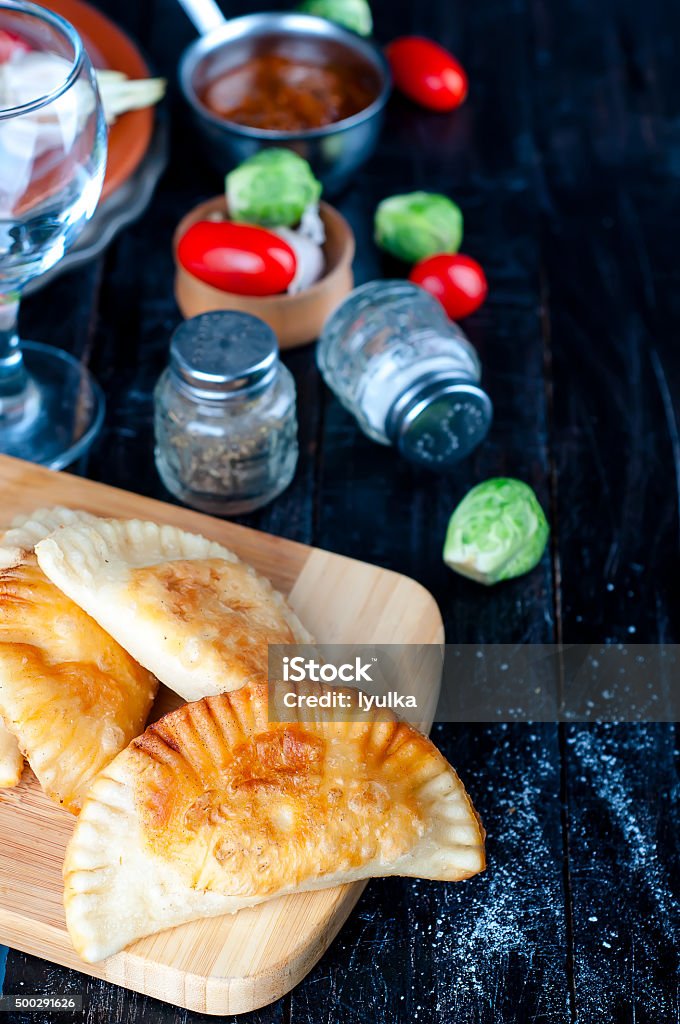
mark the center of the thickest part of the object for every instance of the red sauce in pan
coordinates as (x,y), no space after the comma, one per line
(275,92)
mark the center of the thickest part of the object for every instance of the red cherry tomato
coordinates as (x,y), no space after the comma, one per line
(427,73)
(457,281)
(11,43)
(237,258)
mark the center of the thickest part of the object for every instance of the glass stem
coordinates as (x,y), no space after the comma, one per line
(13,377)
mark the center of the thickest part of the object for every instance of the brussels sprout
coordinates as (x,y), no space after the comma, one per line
(353,14)
(420,224)
(272,188)
(498,531)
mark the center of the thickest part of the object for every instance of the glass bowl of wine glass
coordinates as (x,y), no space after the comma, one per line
(52,164)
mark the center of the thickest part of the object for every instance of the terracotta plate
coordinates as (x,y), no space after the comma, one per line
(109,47)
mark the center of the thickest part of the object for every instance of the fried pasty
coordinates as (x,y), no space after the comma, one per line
(26,530)
(183,606)
(71,695)
(15,544)
(215,809)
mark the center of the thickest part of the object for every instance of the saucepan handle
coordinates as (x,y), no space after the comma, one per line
(205,14)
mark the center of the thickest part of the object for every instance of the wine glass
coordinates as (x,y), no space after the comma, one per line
(52,163)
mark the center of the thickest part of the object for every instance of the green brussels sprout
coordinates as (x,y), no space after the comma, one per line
(353,14)
(272,188)
(497,532)
(420,224)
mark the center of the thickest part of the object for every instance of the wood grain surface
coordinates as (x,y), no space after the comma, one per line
(565,160)
(239,962)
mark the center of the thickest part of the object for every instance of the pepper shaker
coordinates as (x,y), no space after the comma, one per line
(225,421)
(407,374)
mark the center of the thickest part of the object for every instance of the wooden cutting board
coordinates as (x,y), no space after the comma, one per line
(230,964)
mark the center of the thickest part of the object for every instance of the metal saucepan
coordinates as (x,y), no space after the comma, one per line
(334,151)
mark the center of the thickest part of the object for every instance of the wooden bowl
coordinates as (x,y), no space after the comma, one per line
(296,319)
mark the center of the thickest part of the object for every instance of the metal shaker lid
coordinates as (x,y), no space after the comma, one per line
(216,354)
(439,420)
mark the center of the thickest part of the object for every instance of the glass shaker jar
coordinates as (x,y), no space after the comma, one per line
(225,425)
(406,372)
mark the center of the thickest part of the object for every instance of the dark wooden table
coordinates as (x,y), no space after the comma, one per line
(566,162)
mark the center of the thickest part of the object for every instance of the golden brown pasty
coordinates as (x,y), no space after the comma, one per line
(215,808)
(183,606)
(71,695)
(15,544)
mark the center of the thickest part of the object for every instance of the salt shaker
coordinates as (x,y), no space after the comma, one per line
(225,422)
(406,372)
